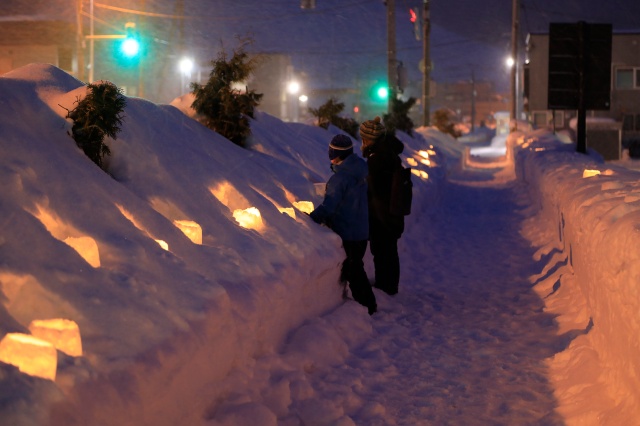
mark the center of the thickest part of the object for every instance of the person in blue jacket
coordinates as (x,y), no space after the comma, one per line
(345,210)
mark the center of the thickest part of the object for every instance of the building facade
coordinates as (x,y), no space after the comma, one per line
(26,42)
(474,103)
(625,85)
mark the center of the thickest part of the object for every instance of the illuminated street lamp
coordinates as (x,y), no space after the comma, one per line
(186,66)
(293,87)
(513,67)
(303,99)
(291,99)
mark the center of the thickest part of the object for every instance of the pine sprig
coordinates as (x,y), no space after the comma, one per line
(95,117)
(329,113)
(223,108)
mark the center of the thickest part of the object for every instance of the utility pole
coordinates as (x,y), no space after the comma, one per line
(80,42)
(91,43)
(143,23)
(426,57)
(514,56)
(581,142)
(473,99)
(391,52)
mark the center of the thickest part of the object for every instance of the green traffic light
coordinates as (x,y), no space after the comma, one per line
(130,47)
(383,93)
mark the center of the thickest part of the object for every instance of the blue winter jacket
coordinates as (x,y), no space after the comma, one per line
(345,205)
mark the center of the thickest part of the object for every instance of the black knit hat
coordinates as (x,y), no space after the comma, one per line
(372,129)
(340,146)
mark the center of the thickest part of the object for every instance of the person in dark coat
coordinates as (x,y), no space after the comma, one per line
(385,228)
(345,210)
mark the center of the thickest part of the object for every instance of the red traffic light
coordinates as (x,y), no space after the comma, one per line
(413,16)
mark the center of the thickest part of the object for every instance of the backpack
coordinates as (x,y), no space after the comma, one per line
(401,192)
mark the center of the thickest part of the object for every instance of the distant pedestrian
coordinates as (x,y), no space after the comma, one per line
(345,210)
(385,228)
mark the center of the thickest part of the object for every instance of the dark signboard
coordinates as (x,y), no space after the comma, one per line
(579,65)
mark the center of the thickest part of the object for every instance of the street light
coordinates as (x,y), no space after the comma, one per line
(186,66)
(293,87)
(513,67)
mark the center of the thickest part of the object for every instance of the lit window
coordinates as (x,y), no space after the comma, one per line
(559,119)
(624,78)
(541,119)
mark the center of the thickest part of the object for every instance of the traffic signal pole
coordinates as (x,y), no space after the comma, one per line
(140,63)
(581,134)
(426,57)
(514,56)
(391,52)
(91,43)
(80,42)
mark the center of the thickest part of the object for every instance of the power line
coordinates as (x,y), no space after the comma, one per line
(331,10)
(139,12)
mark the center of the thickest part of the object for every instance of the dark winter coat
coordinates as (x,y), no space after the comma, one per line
(345,206)
(383,160)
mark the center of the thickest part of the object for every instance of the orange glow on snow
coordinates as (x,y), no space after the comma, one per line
(135,223)
(86,247)
(228,195)
(288,211)
(191,229)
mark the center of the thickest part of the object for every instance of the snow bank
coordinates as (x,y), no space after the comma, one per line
(177,286)
(587,233)
(169,290)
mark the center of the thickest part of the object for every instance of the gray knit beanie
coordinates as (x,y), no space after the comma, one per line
(372,129)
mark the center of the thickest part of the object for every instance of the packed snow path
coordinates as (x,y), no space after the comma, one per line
(463,343)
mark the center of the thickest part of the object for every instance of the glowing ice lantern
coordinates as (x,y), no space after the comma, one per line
(420,173)
(590,173)
(32,356)
(191,229)
(163,244)
(87,248)
(63,334)
(303,206)
(248,218)
(288,211)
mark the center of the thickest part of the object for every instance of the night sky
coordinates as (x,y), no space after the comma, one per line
(341,42)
